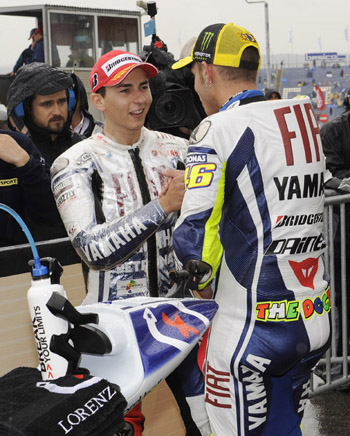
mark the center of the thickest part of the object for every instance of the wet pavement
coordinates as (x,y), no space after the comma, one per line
(310,423)
(328,414)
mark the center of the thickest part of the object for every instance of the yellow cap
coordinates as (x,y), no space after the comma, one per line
(222,44)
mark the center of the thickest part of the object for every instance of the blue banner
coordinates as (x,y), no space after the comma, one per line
(150,27)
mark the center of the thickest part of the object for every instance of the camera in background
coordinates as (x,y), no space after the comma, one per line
(175,102)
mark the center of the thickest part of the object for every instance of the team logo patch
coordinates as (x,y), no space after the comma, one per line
(305,271)
(184,328)
(95,81)
(8,182)
(128,287)
(118,62)
(83,158)
(246,37)
(292,309)
(206,40)
(196,158)
(200,132)
(60,164)
(122,73)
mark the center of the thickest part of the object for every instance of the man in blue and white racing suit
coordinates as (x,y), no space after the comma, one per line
(252,217)
(118,193)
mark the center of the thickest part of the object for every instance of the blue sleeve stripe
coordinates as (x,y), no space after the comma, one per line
(244,156)
(197,150)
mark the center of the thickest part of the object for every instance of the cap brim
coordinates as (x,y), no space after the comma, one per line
(34,33)
(182,63)
(148,68)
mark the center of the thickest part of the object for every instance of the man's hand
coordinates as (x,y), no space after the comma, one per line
(11,152)
(128,430)
(199,271)
(172,191)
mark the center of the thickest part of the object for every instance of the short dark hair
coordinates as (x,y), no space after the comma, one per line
(250,55)
(102,91)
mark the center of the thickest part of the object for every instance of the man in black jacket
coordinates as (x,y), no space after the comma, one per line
(25,187)
(335,137)
(336,145)
(40,102)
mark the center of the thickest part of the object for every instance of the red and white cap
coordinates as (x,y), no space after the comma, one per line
(114,66)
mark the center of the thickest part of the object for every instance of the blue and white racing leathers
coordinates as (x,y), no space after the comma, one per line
(253,211)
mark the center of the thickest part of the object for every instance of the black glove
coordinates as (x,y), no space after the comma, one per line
(199,271)
(128,430)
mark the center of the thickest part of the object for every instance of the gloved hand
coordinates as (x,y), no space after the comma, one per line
(128,430)
(199,271)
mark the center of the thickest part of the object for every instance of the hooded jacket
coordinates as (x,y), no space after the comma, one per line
(80,92)
(43,79)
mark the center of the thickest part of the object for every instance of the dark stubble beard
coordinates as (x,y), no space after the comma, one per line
(49,130)
(53,126)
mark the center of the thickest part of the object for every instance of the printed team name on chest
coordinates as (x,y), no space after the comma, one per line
(299,128)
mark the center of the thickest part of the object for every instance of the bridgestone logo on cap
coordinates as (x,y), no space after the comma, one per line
(118,61)
(95,81)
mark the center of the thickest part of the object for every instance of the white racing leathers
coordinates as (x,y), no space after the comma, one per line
(107,195)
(253,210)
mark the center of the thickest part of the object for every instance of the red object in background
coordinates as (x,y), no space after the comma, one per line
(202,351)
(324,118)
(321,104)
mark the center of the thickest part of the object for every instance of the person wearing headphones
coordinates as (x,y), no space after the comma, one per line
(40,104)
(82,120)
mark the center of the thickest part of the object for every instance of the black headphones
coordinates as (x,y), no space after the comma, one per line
(19,109)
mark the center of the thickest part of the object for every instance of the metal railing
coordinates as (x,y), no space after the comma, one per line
(333,371)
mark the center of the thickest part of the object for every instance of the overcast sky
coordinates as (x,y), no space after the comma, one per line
(295,26)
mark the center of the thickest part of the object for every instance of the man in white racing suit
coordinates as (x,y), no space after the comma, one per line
(253,217)
(118,193)
(107,190)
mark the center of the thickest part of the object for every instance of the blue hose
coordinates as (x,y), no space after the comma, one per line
(38,270)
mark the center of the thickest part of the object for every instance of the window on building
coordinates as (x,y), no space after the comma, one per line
(117,33)
(73,36)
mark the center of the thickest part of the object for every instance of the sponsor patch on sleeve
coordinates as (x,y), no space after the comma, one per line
(200,132)
(60,164)
(83,159)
